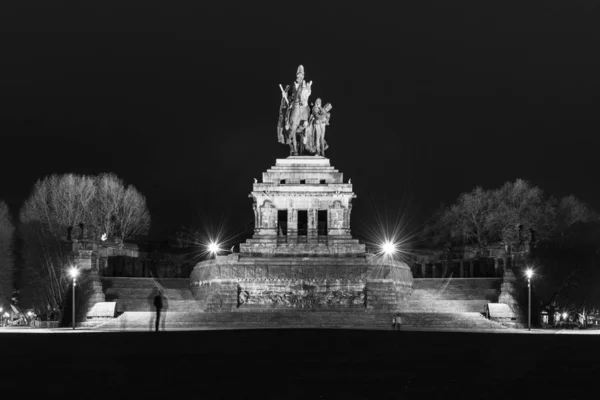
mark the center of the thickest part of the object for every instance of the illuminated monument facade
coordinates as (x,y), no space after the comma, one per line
(302,255)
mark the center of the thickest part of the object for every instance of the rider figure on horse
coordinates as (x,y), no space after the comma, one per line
(298,111)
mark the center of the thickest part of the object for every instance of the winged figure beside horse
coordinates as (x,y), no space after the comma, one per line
(299,127)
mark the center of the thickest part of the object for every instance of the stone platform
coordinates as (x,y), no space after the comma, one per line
(302,254)
(241,283)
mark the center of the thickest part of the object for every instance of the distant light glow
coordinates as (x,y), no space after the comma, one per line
(73,272)
(389,248)
(213,247)
(104,237)
(529,273)
(6,315)
(565,315)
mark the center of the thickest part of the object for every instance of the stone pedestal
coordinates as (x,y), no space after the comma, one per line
(86,259)
(307,184)
(509,295)
(242,283)
(302,270)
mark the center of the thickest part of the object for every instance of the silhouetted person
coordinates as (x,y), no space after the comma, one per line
(69,231)
(158,303)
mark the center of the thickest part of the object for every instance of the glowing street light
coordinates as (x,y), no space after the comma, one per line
(565,315)
(73,272)
(529,274)
(1,317)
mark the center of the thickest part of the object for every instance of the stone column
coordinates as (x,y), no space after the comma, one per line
(347,218)
(312,234)
(292,230)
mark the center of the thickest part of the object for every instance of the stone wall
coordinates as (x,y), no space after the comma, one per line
(301,283)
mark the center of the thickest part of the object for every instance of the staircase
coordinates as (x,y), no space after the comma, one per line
(460,320)
(453,295)
(434,304)
(137,294)
(289,319)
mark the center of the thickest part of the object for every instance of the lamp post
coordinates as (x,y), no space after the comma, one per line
(73,272)
(529,274)
(1,317)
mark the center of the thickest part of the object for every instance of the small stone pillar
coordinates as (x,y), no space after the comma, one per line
(292,230)
(86,259)
(312,234)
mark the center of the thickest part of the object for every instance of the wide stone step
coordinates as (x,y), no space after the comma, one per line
(467,294)
(169,283)
(465,320)
(129,293)
(441,306)
(145,305)
(195,320)
(458,283)
(143,320)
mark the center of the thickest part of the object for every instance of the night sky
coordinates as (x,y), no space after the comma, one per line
(180,99)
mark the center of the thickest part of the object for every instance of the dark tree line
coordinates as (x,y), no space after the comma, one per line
(564,234)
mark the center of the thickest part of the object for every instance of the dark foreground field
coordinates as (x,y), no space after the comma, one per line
(310,364)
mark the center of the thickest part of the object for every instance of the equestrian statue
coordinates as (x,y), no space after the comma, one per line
(298,127)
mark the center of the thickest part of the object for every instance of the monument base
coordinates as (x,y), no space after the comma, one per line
(234,283)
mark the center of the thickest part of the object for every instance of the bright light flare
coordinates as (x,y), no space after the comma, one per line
(214,247)
(389,248)
(6,315)
(565,315)
(73,272)
(529,273)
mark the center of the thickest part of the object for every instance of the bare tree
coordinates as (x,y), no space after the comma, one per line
(519,207)
(509,214)
(61,201)
(121,211)
(7,231)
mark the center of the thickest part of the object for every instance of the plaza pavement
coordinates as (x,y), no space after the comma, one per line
(533,331)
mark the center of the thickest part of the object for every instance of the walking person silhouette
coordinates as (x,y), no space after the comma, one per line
(158,304)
